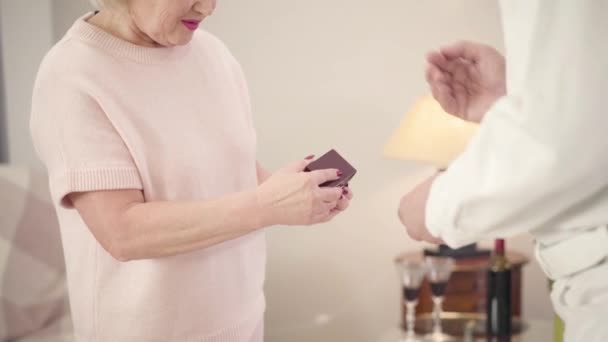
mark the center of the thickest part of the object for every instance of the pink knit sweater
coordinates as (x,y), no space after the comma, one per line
(175,123)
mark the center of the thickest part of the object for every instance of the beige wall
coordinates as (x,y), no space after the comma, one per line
(341,74)
(335,74)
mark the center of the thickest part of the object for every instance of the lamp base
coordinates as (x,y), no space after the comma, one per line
(468,251)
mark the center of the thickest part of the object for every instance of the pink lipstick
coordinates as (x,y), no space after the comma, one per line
(191,24)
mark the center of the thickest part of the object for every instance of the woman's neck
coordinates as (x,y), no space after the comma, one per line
(122,26)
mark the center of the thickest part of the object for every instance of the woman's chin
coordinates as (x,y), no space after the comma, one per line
(183,39)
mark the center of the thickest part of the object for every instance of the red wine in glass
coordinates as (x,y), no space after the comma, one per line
(411,293)
(438,288)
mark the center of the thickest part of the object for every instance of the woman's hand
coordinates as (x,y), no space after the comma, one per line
(466,78)
(291,196)
(344,201)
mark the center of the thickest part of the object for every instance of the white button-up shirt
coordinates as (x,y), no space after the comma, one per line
(539,161)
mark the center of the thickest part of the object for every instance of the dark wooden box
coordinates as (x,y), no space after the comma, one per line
(466,289)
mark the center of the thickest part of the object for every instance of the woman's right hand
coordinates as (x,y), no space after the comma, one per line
(291,196)
(466,78)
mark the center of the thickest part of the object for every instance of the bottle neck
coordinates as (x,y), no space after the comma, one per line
(499,261)
(499,247)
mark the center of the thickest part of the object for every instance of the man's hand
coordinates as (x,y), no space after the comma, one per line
(466,78)
(412,212)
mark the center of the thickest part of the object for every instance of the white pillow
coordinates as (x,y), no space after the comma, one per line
(33,293)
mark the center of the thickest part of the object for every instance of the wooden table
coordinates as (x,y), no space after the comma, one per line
(466,289)
(536,331)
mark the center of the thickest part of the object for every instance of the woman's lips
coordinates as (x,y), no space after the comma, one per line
(191,24)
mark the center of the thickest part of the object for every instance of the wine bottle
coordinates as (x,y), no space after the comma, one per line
(498,304)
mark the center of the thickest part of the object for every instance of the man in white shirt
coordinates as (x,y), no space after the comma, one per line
(539,162)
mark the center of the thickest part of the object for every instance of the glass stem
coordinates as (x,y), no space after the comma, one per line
(410,318)
(437,301)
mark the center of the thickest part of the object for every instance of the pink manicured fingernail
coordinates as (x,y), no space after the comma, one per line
(310,157)
(339,173)
(344,191)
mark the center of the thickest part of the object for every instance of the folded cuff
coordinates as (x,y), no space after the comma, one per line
(84,180)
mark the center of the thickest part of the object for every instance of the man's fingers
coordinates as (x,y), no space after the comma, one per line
(437,59)
(444,95)
(463,49)
(435,75)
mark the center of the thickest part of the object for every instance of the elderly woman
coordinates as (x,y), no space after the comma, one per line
(144,124)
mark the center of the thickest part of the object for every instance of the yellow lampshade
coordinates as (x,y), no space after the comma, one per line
(429,134)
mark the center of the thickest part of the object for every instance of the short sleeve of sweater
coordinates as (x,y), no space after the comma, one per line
(79,145)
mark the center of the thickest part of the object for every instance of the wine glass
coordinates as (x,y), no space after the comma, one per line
(411,274)
(439,272)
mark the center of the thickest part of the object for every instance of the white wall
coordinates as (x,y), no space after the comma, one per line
(26,32)
(341,74)
(323,74)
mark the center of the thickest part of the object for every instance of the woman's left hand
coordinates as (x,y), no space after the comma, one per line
(347,195)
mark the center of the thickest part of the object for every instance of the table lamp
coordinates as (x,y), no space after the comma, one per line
(430,135)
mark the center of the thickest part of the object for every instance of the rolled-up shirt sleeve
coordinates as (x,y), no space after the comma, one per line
(540,157)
